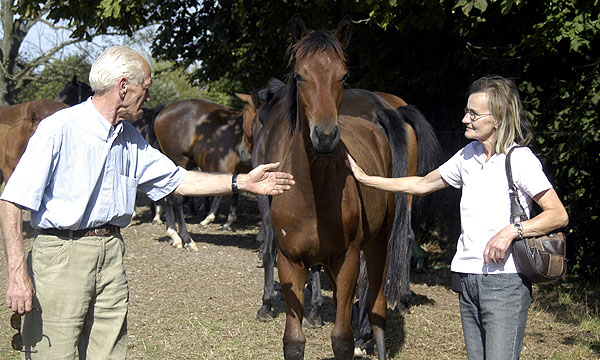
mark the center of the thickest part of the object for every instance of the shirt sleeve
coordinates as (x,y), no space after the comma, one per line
(528,173)
(451,170)
(31,176)
(157,175)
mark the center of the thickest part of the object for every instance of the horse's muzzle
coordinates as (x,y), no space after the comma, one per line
(325,138)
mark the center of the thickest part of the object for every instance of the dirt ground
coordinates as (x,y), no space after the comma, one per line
(202,305)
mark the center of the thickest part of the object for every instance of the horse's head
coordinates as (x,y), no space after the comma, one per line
(319,72)
(74,92)
(249,120)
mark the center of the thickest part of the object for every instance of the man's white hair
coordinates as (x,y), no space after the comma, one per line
(114,63)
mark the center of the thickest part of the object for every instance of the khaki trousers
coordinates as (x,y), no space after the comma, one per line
(81,299)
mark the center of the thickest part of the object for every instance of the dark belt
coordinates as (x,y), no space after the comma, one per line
(104,230)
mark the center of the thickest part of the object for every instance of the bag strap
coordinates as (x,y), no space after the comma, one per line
(517,213)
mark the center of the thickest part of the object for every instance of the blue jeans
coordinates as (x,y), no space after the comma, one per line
(493,310)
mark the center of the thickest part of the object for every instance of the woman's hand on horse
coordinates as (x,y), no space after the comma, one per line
(359,174)
(264,180)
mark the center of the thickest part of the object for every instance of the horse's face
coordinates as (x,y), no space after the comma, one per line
(320,72)
(320,85)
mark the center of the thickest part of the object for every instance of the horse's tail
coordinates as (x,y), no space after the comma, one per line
(400,247)
(430,151)
(397,288)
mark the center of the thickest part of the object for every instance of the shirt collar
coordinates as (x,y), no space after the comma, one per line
(107,131)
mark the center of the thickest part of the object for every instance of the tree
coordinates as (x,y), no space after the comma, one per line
(82,19)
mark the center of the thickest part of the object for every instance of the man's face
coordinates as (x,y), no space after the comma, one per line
(136,96)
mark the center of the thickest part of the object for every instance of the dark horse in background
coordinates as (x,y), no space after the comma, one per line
(402,127)
(74,92)
(198,133)
(18,122)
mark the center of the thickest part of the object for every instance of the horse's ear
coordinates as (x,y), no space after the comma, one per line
(344,31)
(298,28)
(74,79)
(244,97)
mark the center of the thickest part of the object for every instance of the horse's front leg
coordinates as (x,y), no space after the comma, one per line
(292,277)
(232,217)
(346,272)
(188,242)
(167,204)
(268,254)
(212,213)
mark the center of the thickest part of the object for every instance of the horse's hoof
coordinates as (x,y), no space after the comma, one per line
(225,228)
(264,316)
(312,323)
(359,353)
(177,245)
(192,246)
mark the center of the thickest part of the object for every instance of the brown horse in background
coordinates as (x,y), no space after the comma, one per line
(198,133)
(17,124)
(327,218)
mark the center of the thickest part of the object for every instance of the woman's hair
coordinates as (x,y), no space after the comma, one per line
(505,105)
(114,63)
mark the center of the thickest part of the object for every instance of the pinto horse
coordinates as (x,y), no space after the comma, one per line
(327,218)
(199,133)
(17,124)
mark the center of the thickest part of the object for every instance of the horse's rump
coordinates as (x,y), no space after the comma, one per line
(17,124)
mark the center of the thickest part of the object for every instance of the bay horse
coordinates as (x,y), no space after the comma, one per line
(198,133)
(327,218)
(17,124)
(412,157)
(74,92)
(403,125)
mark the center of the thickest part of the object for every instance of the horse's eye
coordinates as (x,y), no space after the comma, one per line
(346,77)
(298,77)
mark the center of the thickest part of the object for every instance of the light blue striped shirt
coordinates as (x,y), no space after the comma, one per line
(79,171)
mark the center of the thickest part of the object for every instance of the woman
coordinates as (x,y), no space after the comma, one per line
(495,299)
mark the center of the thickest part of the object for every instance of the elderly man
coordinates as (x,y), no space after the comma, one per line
(79,177)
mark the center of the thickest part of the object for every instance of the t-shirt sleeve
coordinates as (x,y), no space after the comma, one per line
(451,170)
(528,173)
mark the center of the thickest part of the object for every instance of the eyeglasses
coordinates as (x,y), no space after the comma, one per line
(17,339)
(473,116)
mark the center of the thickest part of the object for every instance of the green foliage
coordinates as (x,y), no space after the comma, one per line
(90,17)
(171,84)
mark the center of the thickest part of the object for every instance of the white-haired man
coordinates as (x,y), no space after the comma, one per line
(79,177)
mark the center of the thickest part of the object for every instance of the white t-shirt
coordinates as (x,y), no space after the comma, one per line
(485,203)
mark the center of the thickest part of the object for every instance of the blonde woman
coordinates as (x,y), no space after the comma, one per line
(495,298)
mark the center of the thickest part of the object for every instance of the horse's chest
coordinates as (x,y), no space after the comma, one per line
(316,215)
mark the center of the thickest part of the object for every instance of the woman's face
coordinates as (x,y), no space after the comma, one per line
(479,122)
